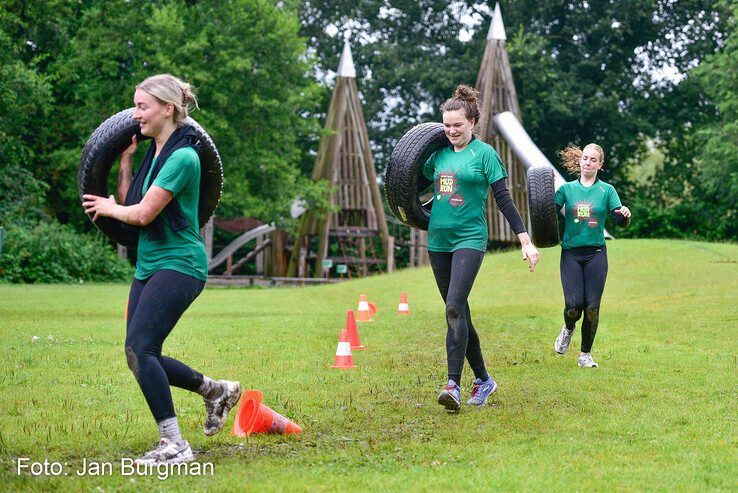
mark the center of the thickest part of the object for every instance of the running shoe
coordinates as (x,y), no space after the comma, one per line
(481,391)
(586,361)
(561,345)
(168,452)
(218,408)
(450,397)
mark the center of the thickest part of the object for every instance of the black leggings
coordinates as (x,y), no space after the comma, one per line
(154,306)
(583,275)
(455,273)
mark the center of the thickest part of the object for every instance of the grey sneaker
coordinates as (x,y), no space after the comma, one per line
(218,408)
(586,361)
(167,452)
(561,345)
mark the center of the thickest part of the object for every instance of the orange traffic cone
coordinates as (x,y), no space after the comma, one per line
(403,308)
(366,310)
(343,358)
(353,331)
(254,417)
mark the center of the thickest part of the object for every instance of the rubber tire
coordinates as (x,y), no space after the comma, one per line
(544,218)
(104,147)
(404,179)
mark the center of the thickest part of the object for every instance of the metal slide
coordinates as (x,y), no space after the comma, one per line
(508,125)
(238,243)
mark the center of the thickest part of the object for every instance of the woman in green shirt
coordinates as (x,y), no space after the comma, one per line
(162,199)
(586,203)
(457,235)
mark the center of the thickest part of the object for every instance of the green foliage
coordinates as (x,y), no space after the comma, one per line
(244,58)
(21,197)
(50,253)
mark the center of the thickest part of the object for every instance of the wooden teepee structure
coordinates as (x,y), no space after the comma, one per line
(497,88)
(346,162)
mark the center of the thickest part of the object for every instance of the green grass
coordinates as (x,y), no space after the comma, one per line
(659,413)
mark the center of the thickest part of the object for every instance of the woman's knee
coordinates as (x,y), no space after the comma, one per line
(593,314)
(573,311)
(454,311)
(137,352)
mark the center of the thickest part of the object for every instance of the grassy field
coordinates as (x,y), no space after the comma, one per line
(659,413)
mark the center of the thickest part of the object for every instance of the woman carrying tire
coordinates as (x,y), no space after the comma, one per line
(161,199)
(457,235)
(585,202)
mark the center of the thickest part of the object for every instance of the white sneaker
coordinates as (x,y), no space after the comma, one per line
(561,345)
(217,409)
(168,452)
(586,361)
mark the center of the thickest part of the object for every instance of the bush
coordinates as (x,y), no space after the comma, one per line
(53,253)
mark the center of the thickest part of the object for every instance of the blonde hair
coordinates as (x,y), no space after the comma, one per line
(572,154)
(466,98)
(167,88)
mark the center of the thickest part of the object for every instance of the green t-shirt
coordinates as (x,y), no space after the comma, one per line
(458,218)
(585,211)
(183,250)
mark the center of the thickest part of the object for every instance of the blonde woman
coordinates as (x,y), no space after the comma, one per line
(161,199)
(586,203)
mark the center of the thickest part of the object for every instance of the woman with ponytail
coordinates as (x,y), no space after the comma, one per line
(457,235)
(161,199)
(585,203)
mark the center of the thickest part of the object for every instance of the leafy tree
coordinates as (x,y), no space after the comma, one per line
(581,68)
(249,68)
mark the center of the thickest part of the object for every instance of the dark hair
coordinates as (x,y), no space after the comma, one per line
(465,98)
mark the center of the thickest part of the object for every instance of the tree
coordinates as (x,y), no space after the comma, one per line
(244,57)
(582,68)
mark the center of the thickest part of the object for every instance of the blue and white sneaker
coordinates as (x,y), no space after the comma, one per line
(482,391)
(450,397)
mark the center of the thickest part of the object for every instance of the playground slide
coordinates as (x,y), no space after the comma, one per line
(238,243)
(508,125)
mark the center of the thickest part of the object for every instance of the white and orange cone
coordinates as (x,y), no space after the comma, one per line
(365,310)
(353,331)
(403,308)
(344,358)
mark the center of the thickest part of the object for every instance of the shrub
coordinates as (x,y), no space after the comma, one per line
(49,252)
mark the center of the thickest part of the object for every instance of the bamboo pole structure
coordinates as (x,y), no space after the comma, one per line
(344,160)
(497,88)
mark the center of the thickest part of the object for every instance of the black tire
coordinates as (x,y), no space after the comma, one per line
(544,219)
(404,180)
(104,147)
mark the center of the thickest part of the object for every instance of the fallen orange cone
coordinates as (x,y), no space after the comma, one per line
(353,331)
(344,358)
(254,417)
(365,310)
(403,308)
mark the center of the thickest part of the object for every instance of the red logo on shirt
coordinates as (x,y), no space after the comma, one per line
(457,200)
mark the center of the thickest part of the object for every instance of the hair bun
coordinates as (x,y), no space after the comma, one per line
(466,93)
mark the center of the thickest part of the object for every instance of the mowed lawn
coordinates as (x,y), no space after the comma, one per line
(659,413)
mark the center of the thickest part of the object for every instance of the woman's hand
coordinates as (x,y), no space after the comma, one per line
(127,155)
(530,253)
(100,206)
(624,211)
(529,250)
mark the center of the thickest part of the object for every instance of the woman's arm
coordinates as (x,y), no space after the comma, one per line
(512,215)
(139,214)
(507,206)
(125,172)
